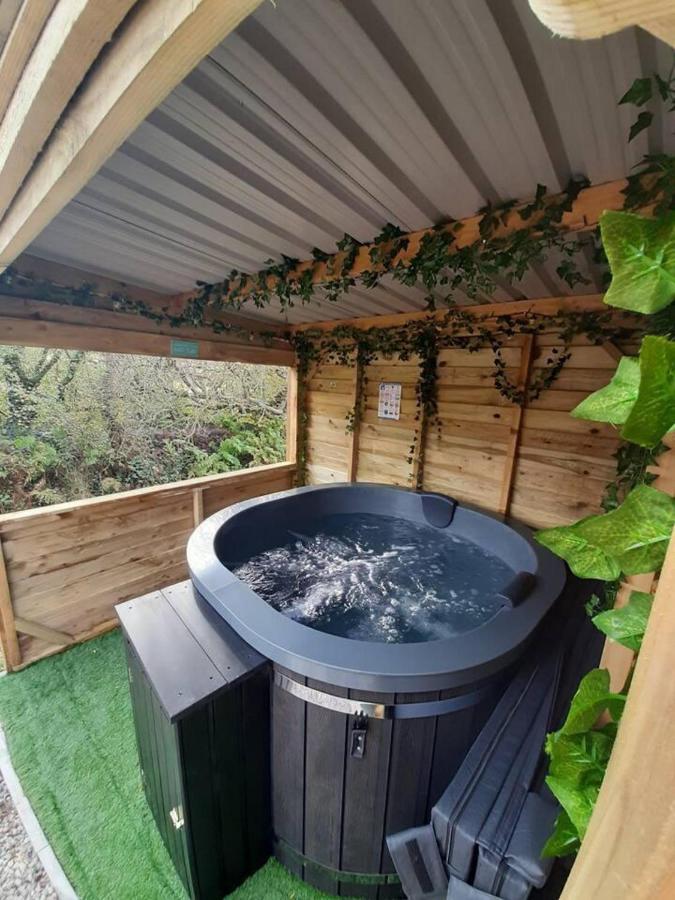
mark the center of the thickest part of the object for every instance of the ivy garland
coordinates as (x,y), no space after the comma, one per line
(425,338)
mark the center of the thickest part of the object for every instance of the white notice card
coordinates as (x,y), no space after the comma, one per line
(389,405)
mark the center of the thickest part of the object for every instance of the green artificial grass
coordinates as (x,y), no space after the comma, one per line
(71,737)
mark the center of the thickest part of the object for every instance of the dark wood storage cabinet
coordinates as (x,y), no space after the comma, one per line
(200,699)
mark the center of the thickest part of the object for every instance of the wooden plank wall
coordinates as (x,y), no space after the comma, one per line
(66,566)
(560,465)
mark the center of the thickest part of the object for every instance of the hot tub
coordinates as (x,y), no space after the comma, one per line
(393,619)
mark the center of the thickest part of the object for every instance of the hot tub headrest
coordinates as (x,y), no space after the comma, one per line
(438,509)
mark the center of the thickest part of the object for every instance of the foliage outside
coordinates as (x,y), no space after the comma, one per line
(76,425)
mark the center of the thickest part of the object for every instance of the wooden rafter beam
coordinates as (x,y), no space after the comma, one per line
(21,40)
(544,306)
(71,39)
(584,215)
(585,19)
(104,290)
(74,328)
(158,44)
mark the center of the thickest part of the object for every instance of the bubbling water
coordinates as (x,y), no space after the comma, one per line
(377,578)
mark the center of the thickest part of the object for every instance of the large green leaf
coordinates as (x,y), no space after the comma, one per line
(593,696)
(581,759)
(632,538)
(578,803)
(613,402)
(565,838)
(627,625)
(585,558)
(641,255)
(653,412)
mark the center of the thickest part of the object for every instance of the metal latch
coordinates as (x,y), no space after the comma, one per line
(358,738)
(176,816)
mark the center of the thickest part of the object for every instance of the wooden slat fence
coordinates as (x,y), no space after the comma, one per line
(537,464)
(64,567)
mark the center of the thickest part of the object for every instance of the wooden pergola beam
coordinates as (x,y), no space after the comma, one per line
(586,19)
(105,289)
(543,306)
(31,323)
(71,39)
(158,44)
(584,215)
(21,40)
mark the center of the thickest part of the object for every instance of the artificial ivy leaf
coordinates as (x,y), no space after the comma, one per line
(639,92)
(578,803)
(584,558)
(641,255)
(644,120)
(580,759)
(593,696)
(631,538)
(565,838)
(653,413)
(627,625)
(613,402)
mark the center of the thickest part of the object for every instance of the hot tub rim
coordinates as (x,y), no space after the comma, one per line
(366,665)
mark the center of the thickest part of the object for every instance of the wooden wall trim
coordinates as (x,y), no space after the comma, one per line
(511,459)
(628,852)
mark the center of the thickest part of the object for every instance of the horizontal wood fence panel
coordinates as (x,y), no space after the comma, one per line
(68,565)
(552,468)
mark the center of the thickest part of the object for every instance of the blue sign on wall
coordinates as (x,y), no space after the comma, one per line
(188,349)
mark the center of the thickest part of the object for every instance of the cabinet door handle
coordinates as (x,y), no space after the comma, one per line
(176,816)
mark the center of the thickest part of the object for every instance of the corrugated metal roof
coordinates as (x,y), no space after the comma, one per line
(319,117)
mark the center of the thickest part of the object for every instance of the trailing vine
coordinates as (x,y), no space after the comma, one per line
(424,338)
(439,261)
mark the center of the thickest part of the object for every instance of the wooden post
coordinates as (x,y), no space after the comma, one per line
(511,458)
(353,445)
(198,506)
(615,657)
(628,852)
(9,640)
(417,474)
(292,416)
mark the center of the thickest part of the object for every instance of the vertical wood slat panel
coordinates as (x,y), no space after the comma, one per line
(288,733)
(325,748)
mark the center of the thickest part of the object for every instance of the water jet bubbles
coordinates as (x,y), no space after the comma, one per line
(376,578)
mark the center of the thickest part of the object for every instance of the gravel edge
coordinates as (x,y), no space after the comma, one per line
(60,885)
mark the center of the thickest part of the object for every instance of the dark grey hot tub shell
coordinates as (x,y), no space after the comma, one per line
(242,529)
(365,736)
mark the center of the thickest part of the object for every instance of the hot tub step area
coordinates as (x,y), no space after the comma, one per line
(200,699)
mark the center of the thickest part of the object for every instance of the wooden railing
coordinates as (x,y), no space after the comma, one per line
(64,567)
